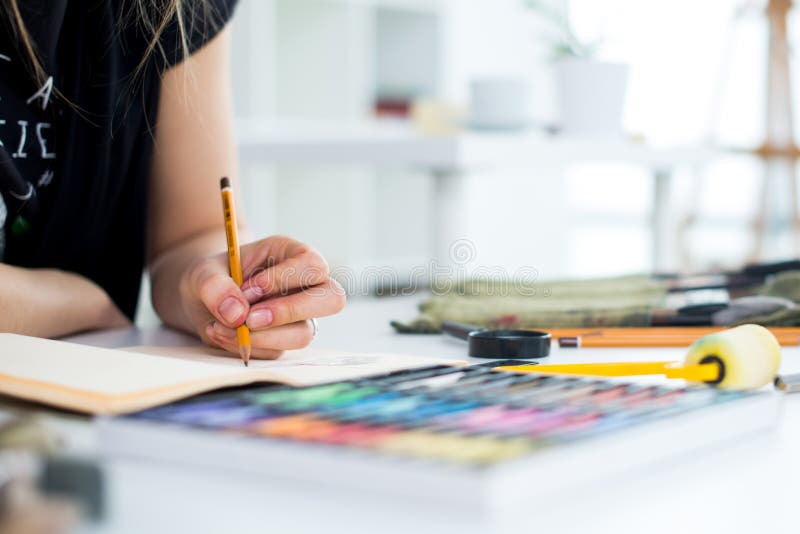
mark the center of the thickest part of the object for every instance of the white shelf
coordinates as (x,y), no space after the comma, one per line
(399,145)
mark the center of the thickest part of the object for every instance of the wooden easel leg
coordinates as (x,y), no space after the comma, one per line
(794,207)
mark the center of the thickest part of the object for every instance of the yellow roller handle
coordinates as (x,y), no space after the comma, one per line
(707,372)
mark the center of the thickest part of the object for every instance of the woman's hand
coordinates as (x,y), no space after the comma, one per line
(286,284)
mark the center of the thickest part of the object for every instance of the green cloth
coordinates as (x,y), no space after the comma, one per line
(621,301)
(602,302)
(785,284)
(781,318)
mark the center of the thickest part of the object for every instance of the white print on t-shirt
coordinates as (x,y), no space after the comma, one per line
(45,178)
(42,141)
(42,128)
(44,93)
(23,135)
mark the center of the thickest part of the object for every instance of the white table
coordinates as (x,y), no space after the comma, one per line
(749,486)
(447,158)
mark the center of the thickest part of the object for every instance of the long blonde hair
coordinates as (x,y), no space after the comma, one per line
(152,15)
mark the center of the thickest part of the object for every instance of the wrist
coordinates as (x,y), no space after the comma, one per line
(172,293)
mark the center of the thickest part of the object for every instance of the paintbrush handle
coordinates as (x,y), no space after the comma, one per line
(697,373)
(593,369)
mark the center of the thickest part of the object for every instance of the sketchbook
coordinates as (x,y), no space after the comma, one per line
(111,381)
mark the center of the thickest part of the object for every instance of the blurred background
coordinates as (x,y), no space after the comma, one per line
(570,139)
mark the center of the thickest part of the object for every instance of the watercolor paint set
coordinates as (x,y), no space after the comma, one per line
(424,430)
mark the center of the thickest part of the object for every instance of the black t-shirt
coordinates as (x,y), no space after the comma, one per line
(75,149)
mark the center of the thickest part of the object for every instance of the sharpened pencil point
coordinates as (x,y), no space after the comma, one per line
(244,353)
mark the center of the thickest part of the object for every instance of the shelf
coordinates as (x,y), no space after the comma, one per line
(398,144)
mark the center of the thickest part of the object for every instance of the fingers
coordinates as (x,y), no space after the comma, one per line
(282,323)
(305,269)
(270,251)
(290,286)
(322,300)
(287,337)
(210,282)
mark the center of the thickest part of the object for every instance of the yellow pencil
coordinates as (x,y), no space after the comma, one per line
(232,235)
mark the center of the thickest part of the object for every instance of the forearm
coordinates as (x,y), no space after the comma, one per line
(52,303)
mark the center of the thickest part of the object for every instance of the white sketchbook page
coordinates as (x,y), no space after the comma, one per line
(106,371)
(33,363)
(301,367)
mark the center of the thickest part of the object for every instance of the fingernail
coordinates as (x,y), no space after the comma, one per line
(231,309)
(252,294)
(259,319)
(223,331)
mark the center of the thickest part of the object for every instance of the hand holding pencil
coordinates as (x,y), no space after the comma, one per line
(268,290)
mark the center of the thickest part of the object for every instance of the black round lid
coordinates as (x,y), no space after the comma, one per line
(522,344)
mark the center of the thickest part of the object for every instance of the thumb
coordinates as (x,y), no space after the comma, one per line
(212,284)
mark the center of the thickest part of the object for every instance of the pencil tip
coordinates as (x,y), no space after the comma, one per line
(244,353)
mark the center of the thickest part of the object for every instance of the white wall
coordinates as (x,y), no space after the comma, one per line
(317,59)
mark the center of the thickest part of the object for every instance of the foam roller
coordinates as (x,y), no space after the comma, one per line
(745,357)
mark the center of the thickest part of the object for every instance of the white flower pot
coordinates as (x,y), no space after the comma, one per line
(591,96)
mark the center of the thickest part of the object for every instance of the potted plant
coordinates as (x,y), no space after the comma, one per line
(591,93)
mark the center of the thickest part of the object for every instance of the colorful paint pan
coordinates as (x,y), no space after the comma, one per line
(470,415)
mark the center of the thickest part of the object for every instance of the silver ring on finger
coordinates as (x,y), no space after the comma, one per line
(314,328)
